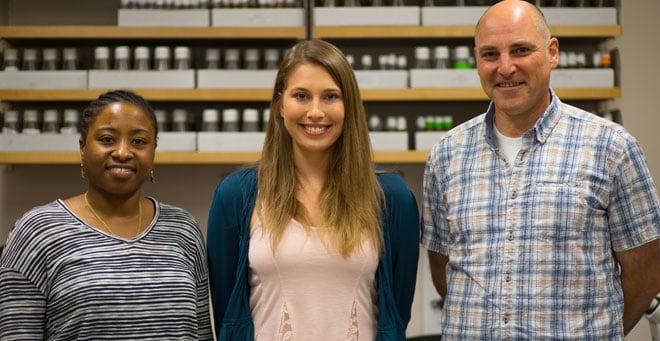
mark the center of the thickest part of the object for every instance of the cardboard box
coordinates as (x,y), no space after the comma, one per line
(558,16)
(444,78)
(43,79)
(133,79)
(582,78)
(425,140)
(451,16)
(230,141)
(46,142)
(258,17)
(382,79)
(366,16)
(236,79)
(389,140)
(163,17)
(171,141)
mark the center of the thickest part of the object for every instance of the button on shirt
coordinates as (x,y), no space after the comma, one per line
(531,244)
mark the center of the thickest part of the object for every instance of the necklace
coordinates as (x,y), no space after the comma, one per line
(91,209)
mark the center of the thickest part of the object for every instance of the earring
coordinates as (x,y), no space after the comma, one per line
(152,177)
(82,170)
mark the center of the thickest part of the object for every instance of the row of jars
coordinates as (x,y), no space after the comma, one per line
(33,121)
(203,4)
(460,3)
(213,120)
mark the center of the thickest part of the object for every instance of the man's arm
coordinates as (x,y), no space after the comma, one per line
(640,279)
(438,263)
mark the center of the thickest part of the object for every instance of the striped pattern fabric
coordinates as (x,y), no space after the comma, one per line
(61,279)
(531,243)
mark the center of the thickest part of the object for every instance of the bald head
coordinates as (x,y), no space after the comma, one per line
(515,10)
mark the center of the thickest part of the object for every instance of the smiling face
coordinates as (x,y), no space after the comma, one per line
(515,55)
(118,152)
(312,110)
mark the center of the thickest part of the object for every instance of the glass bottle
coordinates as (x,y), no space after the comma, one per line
(265,117)
(210,119)
(231,59)
(441,57)
(161,120)
(375,124)
(391,123)
(141,58)
(462,57)
(272,59)
(212,59)
(70,121)
(182,58)
(30,122)
(420,123)
(49,60)
(70,58)
(10,61)
(401,123)
(30,60)
(122,58)
(51,121)
(366,62)
(252,59)
(179,120)
(162,58)
(422,57)
(102,58)
(10,125)
(230,119)
(250,119)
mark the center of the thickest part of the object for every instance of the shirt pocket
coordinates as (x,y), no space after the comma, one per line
(557,210)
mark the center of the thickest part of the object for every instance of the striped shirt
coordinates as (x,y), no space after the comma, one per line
(61,279)
(531,243)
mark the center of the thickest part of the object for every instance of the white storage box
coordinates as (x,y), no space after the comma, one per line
(389,140)
(163,17)
(46,142)
(580,16)
(257,17)
(133,79)
(171,141)
(382,79)
(230,141)
(366,16)
(444,78)
(425,140)
(43,79)
(236,79)
(582,78)
(451,16)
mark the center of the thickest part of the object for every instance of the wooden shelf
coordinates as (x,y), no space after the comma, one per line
(117,32)
(264,95)
(188,158)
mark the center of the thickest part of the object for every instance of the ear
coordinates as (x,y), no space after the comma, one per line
(81,144)
(553,52)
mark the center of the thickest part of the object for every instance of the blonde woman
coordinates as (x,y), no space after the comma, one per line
(312,243)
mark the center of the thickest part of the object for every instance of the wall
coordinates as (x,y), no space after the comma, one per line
(191,187)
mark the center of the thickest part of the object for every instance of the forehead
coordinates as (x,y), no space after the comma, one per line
(508,26)
(309,74)
(119,113)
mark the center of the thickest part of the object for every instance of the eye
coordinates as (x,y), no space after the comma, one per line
(489,55)
(332,96)
(301,96)
(521,51)
(140,142)
(106,139)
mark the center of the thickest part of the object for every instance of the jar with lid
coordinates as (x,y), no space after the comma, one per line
(10,60)
(230,119)
(51,121)
(212,59)
(179,120)
(30,60)
(182,58)
(252,59)
(391,123)
(265,117)
(141,58)
(70,121)
(70,58)
(441,57)
(101,58)
(462,57)
(422,57)
(250,119)
(49,60)
(232,59)
(375,123)
(30,122)
(122,58)
(161,120)
(11,124)
(210,118)
(366,61)
(271,59)
(162,58)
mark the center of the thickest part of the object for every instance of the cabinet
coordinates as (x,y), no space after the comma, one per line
(350,37)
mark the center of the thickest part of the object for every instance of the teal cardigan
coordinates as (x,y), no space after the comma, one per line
(227,247)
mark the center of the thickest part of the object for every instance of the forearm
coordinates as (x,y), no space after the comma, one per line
(438,265)
(637,297)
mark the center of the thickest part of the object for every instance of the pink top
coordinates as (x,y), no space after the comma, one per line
(307,292)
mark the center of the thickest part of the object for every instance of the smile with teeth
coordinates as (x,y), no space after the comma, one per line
(120,170)
(508,84)
(315,130)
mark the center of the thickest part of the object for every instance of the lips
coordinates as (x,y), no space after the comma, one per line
(315,129)
(509,84)
(121,170)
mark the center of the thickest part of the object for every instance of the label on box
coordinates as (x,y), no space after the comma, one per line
(382,79)
(172,141)
(230,141)
(163,17)
(43,79)
(257,17)
(236,79)
(46,142)
(367,16)
(425,140)
(133,79)
(389,140)
(444,78)
(582,78)
(452,16)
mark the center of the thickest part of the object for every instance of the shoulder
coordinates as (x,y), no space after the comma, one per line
(171,211)
(392,183)
(240,179)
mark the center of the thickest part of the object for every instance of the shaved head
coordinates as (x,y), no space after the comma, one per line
(516,8)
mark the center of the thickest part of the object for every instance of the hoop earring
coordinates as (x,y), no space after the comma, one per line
(82,170)
(152,177)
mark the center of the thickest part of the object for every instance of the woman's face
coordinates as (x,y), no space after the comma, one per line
(118,153)
(313,110)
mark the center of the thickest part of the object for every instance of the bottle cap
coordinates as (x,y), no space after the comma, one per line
(462,52)
(29,54)
(11,54)
(162,52)
(182,52)
(212,54)
(30,115)
(231,54)
(210,115)
(122,52)
(252,55)
(272,55)
(50,115)
(250,115)
(422,52)
(50,54)
(441,52)
(230,115)
(161,115)
(11,116)
(70,53)
(179,115)
(71,115)
(101,52)
(141,52)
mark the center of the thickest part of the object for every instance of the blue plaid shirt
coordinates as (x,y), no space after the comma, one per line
(531,243)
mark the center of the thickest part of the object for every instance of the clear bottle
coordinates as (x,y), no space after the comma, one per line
(422,57)
(50,59)
(441,57)
(351,60)
(250,119)
(605,59)
(122,58)
(30,60)
(383,62)
(70,59)
(51,121)
(562,62)
(271,59)
(161,120)
(11,124)
(401,123)
(252,59)
(10,61)
(31,122)
(232,57)
(230,119)
(162,58)
(210,119)
(462,57)
(420,123)
(182,58)
(212,59)
(179,120)
(102,58)
(141,58)
(366,62)
(391,123)
(375,123)
(265,117)
(70,121)
(402,62)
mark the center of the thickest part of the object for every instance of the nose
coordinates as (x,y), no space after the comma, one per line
(123,150)
(315,110)
(506,66)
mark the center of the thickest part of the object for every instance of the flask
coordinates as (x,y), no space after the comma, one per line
(161,120)
(179,120)
(122,58)
(422,57)
(10,125)
(30,60)
(250,119)
(49,60)
(212,60)
(441,57)
(51,121)
(141,58)
(462,57)
(271,58)
(231,59)
(210,120)
(252,59)
(182,58)
(162,58)
(10,61)
(70,58)
(30,122)
(230,119)
(70,122)
(102,58)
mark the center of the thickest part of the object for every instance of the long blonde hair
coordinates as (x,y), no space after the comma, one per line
(351,199)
